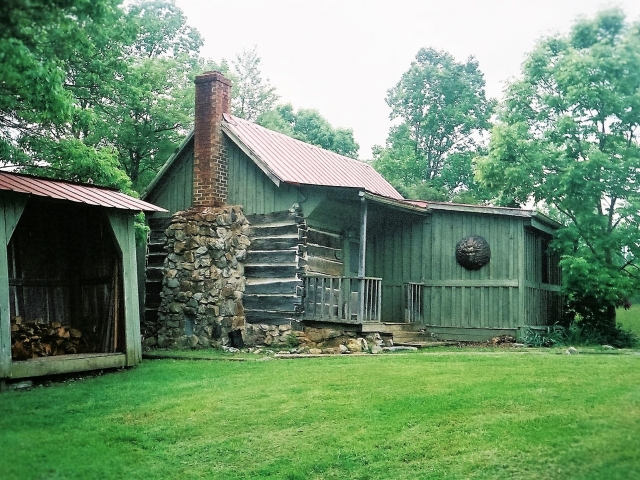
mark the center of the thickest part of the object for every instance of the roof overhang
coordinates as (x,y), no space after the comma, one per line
(533,219)
(541,222)
(393,203)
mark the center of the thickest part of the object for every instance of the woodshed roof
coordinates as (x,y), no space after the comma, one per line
(73,192)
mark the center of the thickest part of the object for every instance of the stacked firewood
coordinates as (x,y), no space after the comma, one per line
(33,340)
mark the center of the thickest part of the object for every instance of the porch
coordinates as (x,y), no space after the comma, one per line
(356,300)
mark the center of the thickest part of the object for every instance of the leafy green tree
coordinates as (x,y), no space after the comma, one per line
(127,83)
(148,107)
(311,127)
(36,37)
(89,165)
(442,111)
(568,138)
(251,94)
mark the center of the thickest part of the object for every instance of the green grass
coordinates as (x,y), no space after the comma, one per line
(453,414)
(629,319)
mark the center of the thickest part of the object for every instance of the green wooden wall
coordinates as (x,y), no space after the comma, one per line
(542,280)
(424,252)
(175,191)
(251,188)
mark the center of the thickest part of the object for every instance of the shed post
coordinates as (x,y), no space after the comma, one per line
(122,224)
(11,209)
(362,256)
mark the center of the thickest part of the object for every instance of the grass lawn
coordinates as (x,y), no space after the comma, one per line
(629,319)
(443,413)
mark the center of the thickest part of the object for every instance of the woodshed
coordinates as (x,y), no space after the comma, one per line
(68,284)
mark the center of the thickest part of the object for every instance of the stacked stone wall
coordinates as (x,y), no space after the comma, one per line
(203,280)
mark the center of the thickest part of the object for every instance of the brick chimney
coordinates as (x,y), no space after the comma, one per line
(213,98)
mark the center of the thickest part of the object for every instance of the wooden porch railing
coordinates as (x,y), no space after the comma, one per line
(413,302)
(342,299)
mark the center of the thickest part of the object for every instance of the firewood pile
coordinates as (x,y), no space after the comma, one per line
(33,340)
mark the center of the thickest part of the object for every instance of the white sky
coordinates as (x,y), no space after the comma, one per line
(341,56)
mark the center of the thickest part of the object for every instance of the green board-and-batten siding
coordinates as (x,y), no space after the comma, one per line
(424,252)
(251,188)
(248,185)
(175,191)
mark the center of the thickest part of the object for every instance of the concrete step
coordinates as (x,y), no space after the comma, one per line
(392,328)
(408,337)
(426,344)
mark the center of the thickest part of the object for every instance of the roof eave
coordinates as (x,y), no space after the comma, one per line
(393,203)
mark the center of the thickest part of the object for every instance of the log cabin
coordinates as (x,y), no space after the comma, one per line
(334,245)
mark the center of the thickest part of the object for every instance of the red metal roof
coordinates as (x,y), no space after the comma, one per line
(73,192)
(296,162)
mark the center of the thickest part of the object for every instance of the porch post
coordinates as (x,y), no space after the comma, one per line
(363,256)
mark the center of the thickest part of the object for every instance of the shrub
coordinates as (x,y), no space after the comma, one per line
(544,337)
(579,333)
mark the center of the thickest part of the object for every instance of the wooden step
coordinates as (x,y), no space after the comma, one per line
(156,259)
(157,236)
(411,337)
(156,248)
(155,274)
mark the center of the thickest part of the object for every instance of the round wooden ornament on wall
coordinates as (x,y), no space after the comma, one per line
(473,252)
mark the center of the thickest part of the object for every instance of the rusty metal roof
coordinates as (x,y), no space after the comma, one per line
(291,161)
(73,192)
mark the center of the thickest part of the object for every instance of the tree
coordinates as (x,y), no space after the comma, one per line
(443,112)
(126,78)
(148,107)
(568,137)
(36,37)
(251,94)
(309,126)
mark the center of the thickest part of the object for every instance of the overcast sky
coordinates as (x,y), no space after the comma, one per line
(341,56)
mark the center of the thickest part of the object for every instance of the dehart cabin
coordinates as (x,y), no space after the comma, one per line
(266,235)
